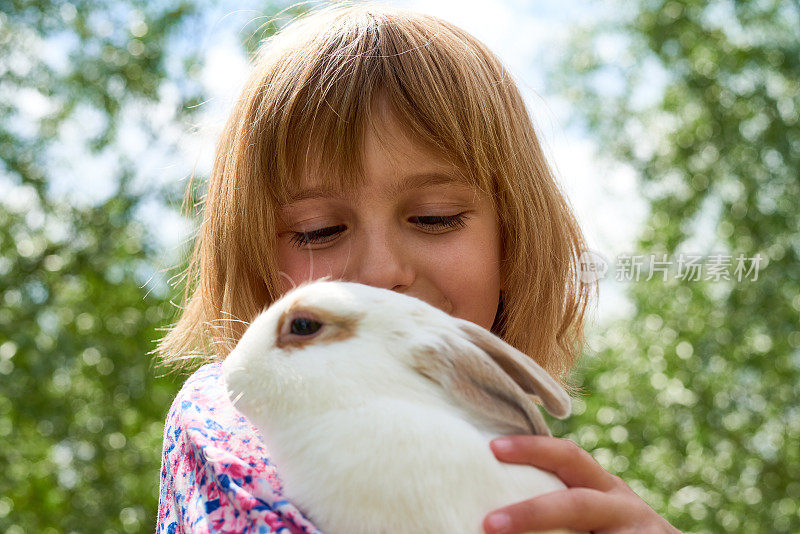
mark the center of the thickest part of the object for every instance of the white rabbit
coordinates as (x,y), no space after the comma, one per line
(378,409)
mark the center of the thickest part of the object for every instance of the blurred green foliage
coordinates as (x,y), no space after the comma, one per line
(693,400)
(83,290)
(81,407)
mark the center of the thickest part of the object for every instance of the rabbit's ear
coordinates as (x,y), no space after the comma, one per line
(530,376)
(492,378)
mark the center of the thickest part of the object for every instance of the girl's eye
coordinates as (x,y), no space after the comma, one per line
(429,222)
(323,235)
(441,222)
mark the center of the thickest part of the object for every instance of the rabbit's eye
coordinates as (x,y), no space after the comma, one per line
(303,326)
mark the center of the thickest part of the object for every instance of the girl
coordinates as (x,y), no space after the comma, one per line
(389,148)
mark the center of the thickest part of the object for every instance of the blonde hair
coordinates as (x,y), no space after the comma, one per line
(312,93)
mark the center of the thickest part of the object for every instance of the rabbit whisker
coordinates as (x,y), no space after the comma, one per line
(346,261)
(233,317)
(223,341)
(225,320)
(311,263)
(283,274)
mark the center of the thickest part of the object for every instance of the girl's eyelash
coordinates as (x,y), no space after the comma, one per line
(313,237)
(441,222)
(323,235)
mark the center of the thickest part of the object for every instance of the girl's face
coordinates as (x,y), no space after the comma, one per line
(412,227)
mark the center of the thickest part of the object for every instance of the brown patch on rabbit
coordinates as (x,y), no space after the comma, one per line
(334,327)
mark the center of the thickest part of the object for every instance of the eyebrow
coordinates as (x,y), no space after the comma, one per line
(412,181)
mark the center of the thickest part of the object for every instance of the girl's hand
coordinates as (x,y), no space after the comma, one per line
(595,500)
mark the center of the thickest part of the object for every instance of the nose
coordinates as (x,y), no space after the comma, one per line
(380,259)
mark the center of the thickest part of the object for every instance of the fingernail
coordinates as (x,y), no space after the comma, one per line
(499,523)
(502,445)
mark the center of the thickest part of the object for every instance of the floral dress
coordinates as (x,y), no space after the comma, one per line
(216,474)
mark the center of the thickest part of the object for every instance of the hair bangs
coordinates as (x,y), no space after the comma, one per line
(356,65)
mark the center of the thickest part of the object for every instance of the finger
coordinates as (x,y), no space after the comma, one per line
(573,465)
(576,508)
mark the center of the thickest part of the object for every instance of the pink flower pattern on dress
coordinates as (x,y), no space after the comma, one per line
(216,475)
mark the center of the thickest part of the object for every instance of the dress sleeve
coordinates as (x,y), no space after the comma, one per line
(216,475)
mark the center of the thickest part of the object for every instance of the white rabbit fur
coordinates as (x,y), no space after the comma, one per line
(369,426)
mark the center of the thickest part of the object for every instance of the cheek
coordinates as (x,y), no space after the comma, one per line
(477,301)
(470,279)
(294,267)
(303,265)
